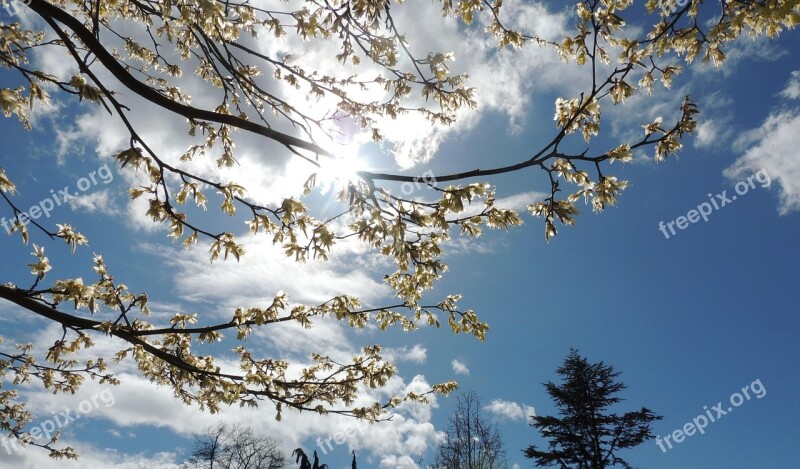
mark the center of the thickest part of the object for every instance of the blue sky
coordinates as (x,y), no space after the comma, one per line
(689,320)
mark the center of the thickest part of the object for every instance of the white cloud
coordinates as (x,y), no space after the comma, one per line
(485,245)
(100,202)
(91,456)
(459,367)
(508,410)
(715,101)
(398,462)
(520,202)
(502,78)
(713,134)
(773,148)
(265,270)
(706,133)
(417,354)
(409,434)
(224,286)
(792,90)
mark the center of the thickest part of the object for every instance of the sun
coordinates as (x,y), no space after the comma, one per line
(341,170)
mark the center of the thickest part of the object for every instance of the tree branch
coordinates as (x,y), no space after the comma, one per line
(46,10)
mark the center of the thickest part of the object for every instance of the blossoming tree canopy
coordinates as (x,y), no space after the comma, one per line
(234,70)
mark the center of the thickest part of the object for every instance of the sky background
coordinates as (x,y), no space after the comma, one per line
(688,320)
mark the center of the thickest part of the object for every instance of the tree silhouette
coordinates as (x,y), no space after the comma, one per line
(471,441)
(301,457)
(586,435)
(226,447)
(305,463)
